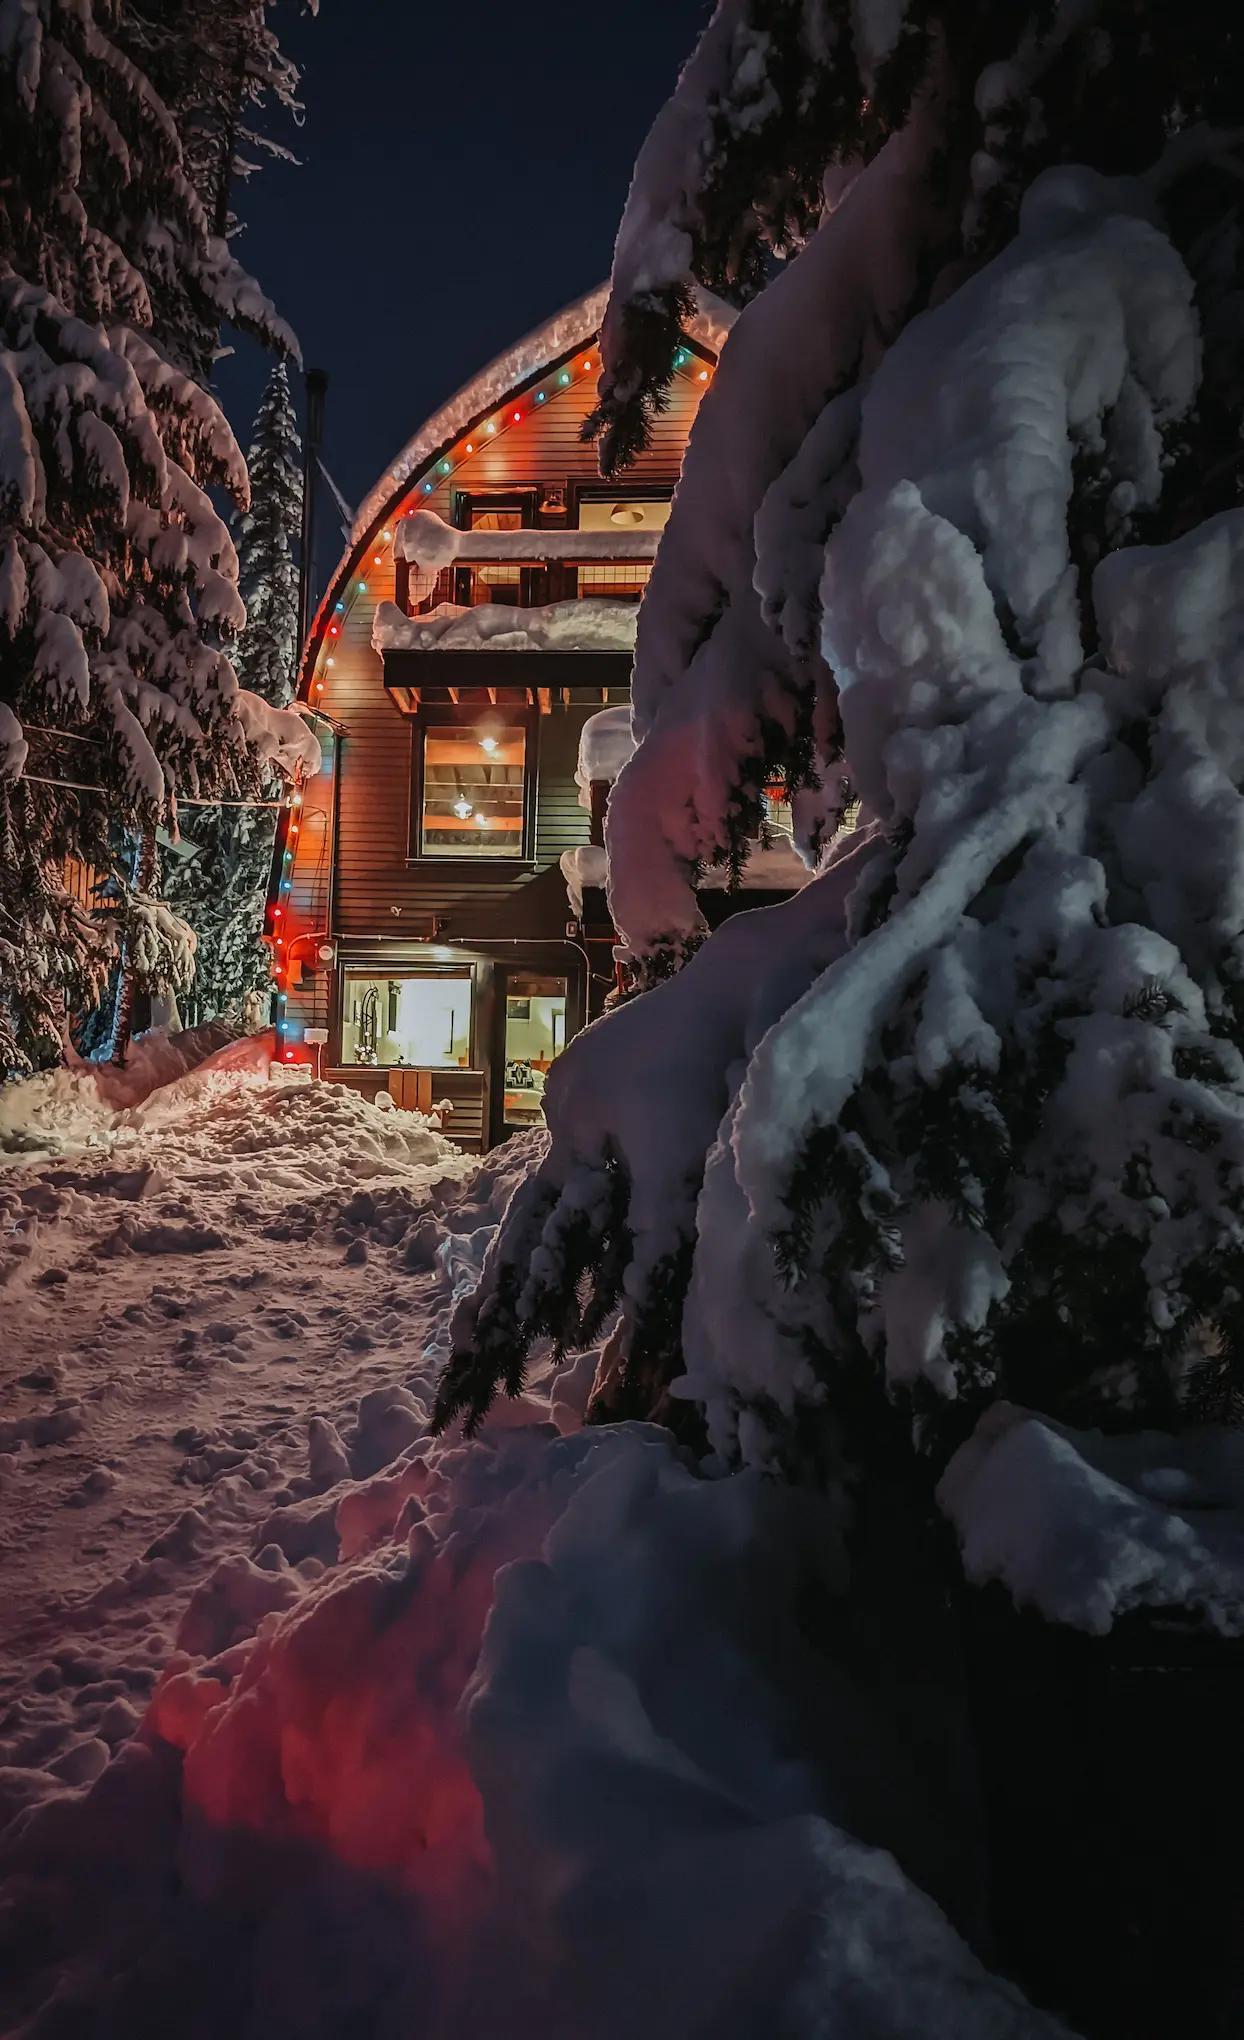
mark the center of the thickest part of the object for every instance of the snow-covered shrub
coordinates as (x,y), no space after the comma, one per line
(958,515)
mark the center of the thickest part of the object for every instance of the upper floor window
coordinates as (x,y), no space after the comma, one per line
(472,791)
(624,513)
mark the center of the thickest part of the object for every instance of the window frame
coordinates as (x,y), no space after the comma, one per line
(601,492)
(365,967)
(451,715)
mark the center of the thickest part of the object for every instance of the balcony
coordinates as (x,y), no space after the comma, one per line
(470,604)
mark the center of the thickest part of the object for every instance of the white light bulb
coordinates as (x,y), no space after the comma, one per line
(488,743)
(482,820)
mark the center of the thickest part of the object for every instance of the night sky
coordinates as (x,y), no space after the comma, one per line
(463,169)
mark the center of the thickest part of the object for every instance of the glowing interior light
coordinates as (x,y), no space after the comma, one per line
(277,912)
(444,467)
(490,427)
(362,586)
(539,396)
(330,662)
(703,375)
(469,447)
(564,377)
(482,821)
(289,1055)
(427,488)
(284,885)
(462,807)
(386,534)
(517,416)
(340,608)
(319,686)
(376,559)
(488,743)
(333,631)
(587,364)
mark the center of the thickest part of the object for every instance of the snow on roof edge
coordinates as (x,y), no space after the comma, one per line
(566,330)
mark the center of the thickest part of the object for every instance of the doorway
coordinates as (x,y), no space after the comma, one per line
(535,1035)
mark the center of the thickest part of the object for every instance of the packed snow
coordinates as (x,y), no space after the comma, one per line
(587,625)
(324,1725)
(427,541)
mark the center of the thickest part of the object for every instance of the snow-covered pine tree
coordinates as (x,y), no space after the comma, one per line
(117,576)
(965,1119)
(222,890)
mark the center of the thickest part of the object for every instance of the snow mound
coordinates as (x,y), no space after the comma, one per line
(229,1127)
(556,1678)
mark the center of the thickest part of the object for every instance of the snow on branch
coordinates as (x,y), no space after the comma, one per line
(734,169)
(721,702)
(278,736)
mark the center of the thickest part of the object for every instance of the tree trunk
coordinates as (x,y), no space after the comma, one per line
(144,878)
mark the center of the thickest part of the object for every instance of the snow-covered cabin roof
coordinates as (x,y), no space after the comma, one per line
(529,357)
(520,365)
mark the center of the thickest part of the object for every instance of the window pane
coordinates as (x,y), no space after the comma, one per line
(473,789)
(535,1035)
(421,1020)
(625,513)
(496,520)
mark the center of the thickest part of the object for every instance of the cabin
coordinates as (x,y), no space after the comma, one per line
(423,937)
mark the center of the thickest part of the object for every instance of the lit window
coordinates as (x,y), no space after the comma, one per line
(473,789)
(625,513)
(420,1019)
(535,1035)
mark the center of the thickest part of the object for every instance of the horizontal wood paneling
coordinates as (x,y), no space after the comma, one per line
(378,894)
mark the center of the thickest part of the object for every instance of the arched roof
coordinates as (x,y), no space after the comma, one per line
(529,357)
(525,360)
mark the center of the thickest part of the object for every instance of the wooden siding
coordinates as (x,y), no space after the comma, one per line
(356,815)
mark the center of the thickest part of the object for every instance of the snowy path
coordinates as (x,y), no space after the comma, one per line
(313,1727)
(174,1318)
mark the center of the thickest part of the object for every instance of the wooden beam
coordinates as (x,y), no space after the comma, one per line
(544,695)
(492,696)
(453,695)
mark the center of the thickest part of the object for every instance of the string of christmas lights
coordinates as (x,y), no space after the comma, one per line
(506,419)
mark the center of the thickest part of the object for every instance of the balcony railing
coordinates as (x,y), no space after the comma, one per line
(524,569)
(513,583)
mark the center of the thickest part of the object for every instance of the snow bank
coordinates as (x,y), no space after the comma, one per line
(564,1678)
(589,625)
(1086,1527)
(283,1134)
